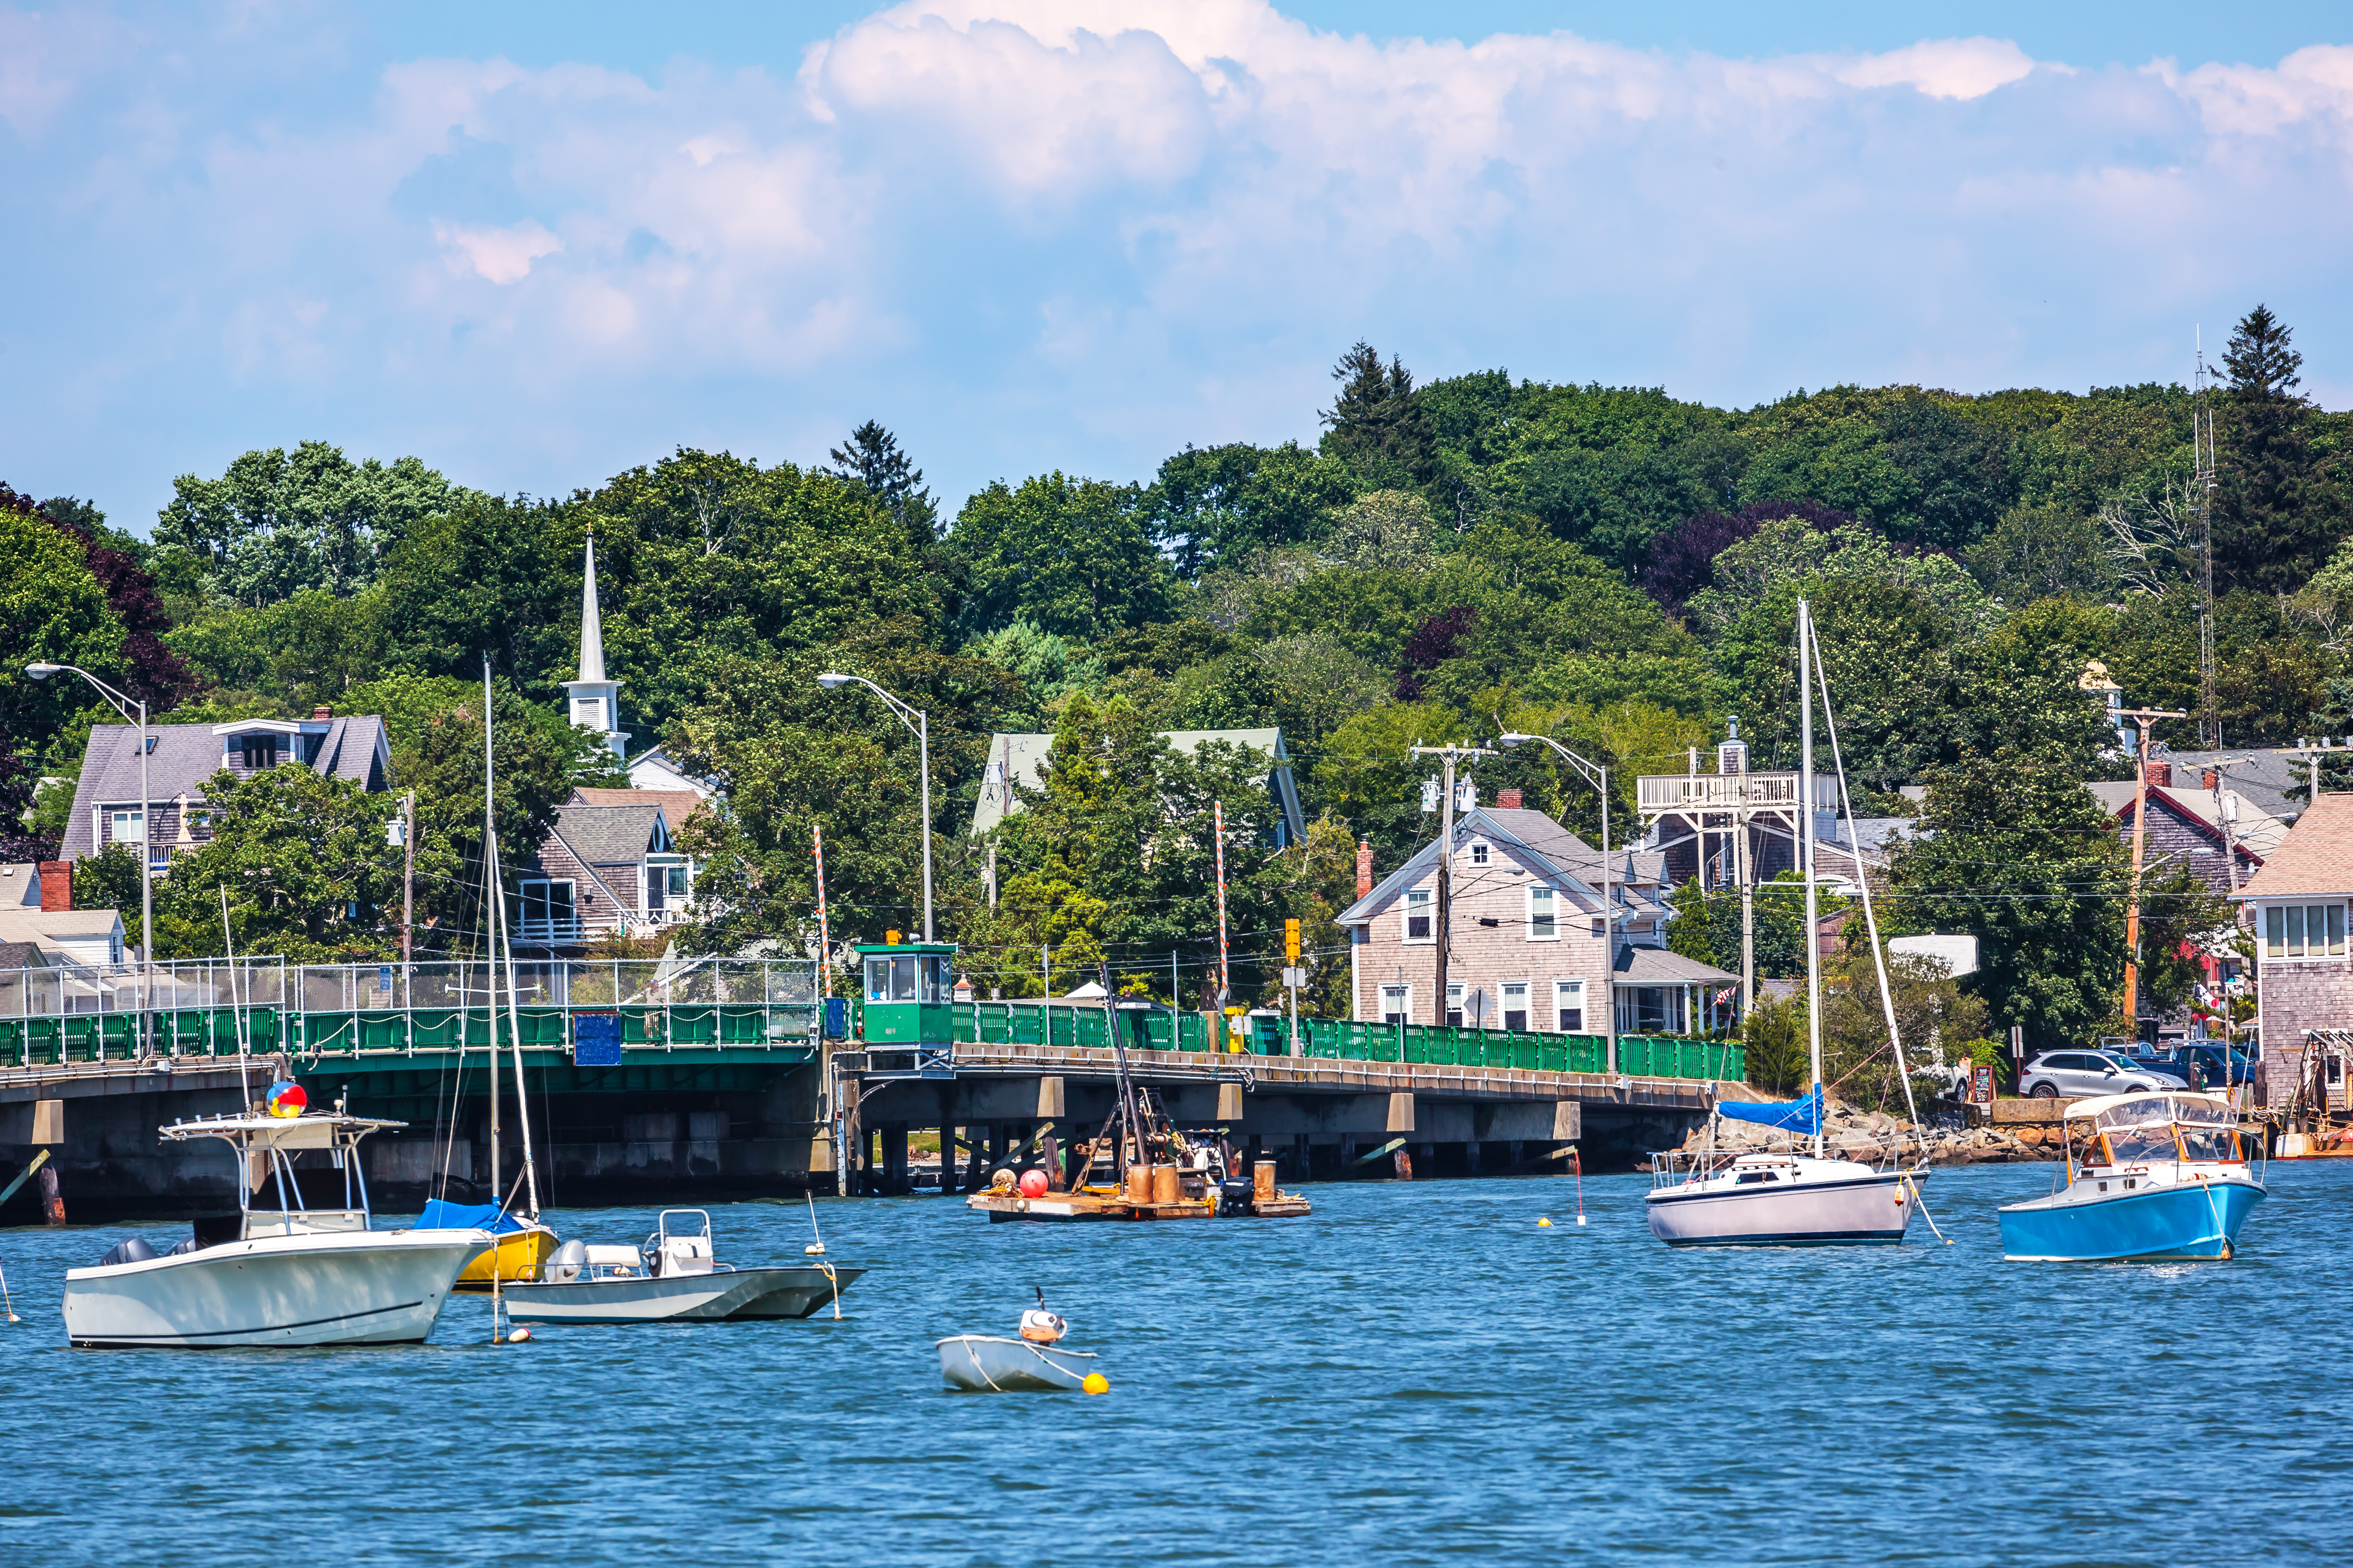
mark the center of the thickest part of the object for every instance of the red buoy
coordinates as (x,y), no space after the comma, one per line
(1033,1184)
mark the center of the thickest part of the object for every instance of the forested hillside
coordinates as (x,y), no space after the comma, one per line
(1478,551)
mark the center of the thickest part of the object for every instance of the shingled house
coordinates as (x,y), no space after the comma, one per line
(180,757)
(2298,902)
(1528,950)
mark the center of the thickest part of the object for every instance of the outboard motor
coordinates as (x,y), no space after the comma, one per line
(566,1263)
(133,1250)
(1039,1326)
(1234,1196)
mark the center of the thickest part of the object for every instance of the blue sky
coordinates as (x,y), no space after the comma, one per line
(534,244)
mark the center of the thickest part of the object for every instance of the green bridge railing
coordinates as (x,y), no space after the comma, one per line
(353,1012)
(1157,1028)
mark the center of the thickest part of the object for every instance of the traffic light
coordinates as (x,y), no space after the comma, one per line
(1291,941)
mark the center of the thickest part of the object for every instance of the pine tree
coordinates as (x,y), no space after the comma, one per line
(2277,503)
(1378,427)
(871,456)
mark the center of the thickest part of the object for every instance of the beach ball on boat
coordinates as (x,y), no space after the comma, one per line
(287,1099)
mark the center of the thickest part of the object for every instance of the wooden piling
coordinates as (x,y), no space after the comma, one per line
(53,1203)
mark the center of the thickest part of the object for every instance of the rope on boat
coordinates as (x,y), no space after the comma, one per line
(1921,1203)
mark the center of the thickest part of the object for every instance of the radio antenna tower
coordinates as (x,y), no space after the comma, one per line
(2202,440)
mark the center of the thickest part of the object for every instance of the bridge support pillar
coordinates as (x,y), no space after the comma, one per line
(894,1158)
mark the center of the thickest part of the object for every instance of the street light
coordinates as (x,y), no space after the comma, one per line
(1598,777)
(123,704)
(916,719)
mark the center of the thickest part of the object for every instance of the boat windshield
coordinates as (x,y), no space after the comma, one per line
(2216,1143)
(2142,1145)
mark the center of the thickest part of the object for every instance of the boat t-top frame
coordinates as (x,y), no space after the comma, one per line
(277,1138)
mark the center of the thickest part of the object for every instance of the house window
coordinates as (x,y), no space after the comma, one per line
(1597,925)
(2304,931)
(257,752)
(1397,1002)
(1516,1004)
(1568,1005)
(548,914)
(131,827)
(1478,854)
(1542,924)
(1418,906)
(1454,1005)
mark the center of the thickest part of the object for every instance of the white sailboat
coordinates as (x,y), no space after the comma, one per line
(288,1275)
(1790,1199)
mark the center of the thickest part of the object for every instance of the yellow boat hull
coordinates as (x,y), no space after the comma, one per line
(517,1256)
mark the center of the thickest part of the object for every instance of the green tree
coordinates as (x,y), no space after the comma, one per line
(2013,850)
(1071,556)
(277,522)
(872,458)
(1215,508)
(53,609)
(1376,425)
(305,865)
(2277,507)
(2040,553)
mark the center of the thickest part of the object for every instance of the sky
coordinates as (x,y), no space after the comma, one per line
(537,244)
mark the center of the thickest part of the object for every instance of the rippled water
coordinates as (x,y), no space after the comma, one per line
(1416,1373)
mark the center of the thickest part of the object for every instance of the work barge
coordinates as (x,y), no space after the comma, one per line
(718,1079)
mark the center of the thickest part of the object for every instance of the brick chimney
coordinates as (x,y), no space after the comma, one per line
(56,885)
(2211,779)
(1508,800)
(2160,774)
(322,714)
(1363,866)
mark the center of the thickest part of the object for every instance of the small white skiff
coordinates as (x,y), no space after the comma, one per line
(983,1363)
(672,1278)
(288,1275)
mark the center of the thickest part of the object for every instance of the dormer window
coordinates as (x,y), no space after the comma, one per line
(255,753)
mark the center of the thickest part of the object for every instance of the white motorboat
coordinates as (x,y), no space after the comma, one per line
(1791,1199)
(674,1278)
(288,1276)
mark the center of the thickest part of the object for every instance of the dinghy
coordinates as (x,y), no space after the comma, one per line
(1034,1364)
(674,1278)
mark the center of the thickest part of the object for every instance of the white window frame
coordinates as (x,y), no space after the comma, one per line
(2287,933)
(1549,897)
(1457,1004)
(1562,989)
(1403,994)
(1480,853)
(1504,989)
(117,816)
(1426,900)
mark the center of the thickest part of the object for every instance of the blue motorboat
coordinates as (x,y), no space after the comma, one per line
(2149,1176)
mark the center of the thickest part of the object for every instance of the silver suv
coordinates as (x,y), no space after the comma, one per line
(2073,1075)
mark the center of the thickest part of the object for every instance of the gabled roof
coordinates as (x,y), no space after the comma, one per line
(1019,758)
(612,834)
(675,805)
(184,755)
(2261,775)
(1537,838)
(2316,859)
(1660,966)
(2255,833)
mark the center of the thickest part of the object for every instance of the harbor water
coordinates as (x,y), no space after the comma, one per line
(1416,1373)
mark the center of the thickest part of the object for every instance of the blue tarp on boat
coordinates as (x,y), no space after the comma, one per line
(440,1215)
(1798,1115)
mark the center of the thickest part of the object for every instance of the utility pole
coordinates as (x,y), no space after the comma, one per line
(2202,432)
(2145,717)
(1448,754)
(1747,927)
(407,885)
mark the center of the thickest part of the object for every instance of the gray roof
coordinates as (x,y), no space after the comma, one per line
(612,834)
(2262,776)
(1538,837)
(352,747)
(1658,967)
(22,955)
(1019,759)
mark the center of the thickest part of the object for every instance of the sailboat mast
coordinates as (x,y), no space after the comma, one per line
(514,1042)
(490,929)
(1805,865)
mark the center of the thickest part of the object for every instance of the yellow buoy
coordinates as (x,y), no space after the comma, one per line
(1542,1222)
(1096,1383)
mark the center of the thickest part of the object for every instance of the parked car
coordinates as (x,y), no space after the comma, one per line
(2212,1063)
(2073,1075)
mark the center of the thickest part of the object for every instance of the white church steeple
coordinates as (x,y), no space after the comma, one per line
(595,701)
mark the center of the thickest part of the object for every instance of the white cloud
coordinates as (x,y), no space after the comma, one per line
(499,255)
(1029,233)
